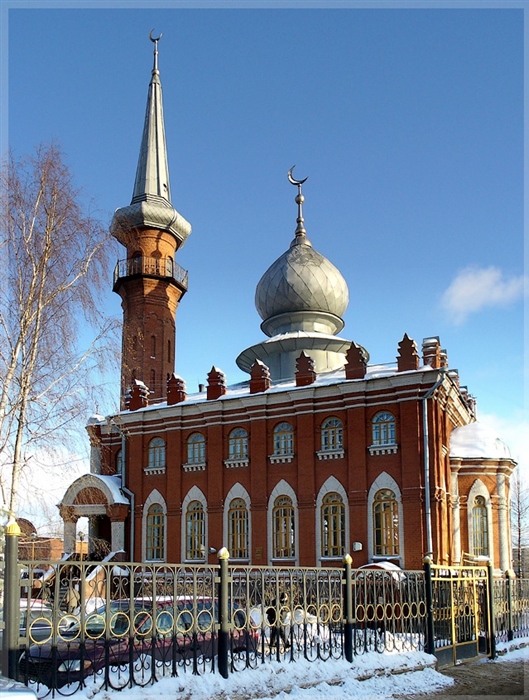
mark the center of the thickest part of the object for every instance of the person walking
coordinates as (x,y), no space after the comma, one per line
(271,616)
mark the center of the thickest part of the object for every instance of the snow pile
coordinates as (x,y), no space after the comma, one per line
(369,675)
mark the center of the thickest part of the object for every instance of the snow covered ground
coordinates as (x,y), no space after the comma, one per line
(370,676)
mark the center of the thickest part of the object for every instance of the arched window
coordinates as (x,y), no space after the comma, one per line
(283,528)
(154,546)
(153,346)
(480,529)
(153,380)
(196,449)
(157,454)
(331,435)
(283,439)
(385,524)
(119,462)
(238,444)
(383,429)
(332,526)
(169,267)
(195,531)
(168,351)
(238,529)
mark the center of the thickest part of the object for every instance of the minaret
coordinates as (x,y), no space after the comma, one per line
(149,281)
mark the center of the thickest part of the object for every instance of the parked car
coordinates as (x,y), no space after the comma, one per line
(186,629)
(36,620)
(15,690)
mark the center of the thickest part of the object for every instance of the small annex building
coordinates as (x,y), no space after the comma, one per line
(318,454)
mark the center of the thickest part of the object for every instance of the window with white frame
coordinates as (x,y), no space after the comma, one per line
(480,529)
(283,439)
(196,449)
(195,531)
(383,429)
(238,444)
(238,539)
(156,454)
(332,526)
(283,524)
(331,434)
(385,524)
(383,434)
(155,533)
(119,462)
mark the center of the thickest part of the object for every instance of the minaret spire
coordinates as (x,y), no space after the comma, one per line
(152,174)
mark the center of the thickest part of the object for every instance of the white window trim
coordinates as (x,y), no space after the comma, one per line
(478,488)
(154,497)
(282,488)
(194,494)
(384,481)
(332,485)
(237,491)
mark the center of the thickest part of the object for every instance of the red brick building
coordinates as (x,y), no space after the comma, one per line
(319,454)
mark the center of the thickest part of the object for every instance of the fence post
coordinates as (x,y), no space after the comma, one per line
(509,575)
(429,647)
(11,601)
(348,612)
(490,601)
(224,613)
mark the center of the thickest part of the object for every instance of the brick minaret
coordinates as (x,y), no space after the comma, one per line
(149,281)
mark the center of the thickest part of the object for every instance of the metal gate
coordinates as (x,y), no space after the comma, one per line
(461,620)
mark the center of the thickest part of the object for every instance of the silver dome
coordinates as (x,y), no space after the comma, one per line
(301,280)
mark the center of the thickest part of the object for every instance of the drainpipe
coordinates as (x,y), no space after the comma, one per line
(125,490)
(427,504)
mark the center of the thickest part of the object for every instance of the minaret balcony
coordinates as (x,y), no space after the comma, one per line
(141,266)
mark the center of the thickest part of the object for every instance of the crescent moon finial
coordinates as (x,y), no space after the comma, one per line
(300,228)
(155,42)
(292,180)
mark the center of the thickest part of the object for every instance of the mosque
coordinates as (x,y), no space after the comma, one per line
(317,455)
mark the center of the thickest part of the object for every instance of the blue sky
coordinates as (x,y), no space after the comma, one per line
(409,124)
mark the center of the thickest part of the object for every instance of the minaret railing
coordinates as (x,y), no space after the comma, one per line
(152,267)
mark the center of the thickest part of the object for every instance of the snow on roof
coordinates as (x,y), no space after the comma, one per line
(243,388)
(476,440)
(113,484)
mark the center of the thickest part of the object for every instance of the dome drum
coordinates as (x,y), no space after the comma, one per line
(281,352)
(308,321)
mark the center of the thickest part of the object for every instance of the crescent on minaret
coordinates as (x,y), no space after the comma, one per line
(292,180)
(151,37)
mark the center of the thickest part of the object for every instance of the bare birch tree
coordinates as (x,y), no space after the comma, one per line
(519,521)
(53,335)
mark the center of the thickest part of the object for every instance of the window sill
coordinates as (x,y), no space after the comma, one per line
(236,463)
(194,467)
(281,459)
(330,454)
(383,449)
(154,470)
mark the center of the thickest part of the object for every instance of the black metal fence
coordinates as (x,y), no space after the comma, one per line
(125,624)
